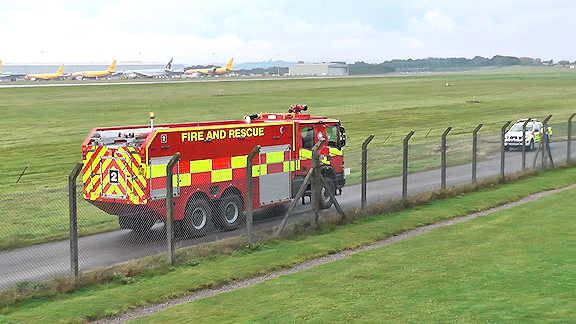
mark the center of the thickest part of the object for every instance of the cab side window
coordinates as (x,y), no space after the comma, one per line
(307,137)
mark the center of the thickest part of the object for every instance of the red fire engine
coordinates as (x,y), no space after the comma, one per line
(124,168)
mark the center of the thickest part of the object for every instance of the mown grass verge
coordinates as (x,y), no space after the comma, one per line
(153,280)
(511,266)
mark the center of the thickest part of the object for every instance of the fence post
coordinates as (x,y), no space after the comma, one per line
(443,172)
(405,167)
(524,144)
(315,182)
(170,207)
(73,211)
(569,138)
(545,141)
(299,195)
(250,192)
(503,149)
(475,151)
(364,172)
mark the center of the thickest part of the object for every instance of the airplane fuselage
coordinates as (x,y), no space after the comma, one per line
(150,73)
(46,76)
(94,74)
(90,74)
(212,71)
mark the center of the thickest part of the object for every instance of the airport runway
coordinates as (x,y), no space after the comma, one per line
(38,84)
(41,262)
(35,84)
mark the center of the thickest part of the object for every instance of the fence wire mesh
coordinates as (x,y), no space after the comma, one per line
(34,237)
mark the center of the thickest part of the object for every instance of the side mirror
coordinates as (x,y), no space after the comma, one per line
(342,139)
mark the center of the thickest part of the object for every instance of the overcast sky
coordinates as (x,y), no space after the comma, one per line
(207,31)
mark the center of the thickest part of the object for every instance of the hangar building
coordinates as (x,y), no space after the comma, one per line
(333,68)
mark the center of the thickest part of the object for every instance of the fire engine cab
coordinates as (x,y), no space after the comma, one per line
(124,168)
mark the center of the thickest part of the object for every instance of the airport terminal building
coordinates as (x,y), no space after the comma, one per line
(333,68)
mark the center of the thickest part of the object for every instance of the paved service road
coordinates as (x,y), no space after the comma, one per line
(50,260)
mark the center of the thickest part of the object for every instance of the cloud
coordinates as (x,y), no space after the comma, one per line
(438,20)
(199,31)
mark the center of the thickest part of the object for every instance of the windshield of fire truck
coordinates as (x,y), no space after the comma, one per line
(332,133)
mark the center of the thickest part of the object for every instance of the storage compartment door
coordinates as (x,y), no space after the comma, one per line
(275,177)
(158,177)
(113,174)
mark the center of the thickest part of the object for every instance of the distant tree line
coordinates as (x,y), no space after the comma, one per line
(434,63)
(426,64)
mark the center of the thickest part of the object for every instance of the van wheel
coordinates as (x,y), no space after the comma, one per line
(325,199)
(197,216)
(230,212)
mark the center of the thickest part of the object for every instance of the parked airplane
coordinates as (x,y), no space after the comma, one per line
(9,76)
(95,74)
(211,71)
(46,76)
(153,73)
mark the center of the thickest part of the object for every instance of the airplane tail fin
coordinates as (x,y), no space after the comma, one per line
(229,65)
(0,66)
(169,65)
(60,70)
(112,67)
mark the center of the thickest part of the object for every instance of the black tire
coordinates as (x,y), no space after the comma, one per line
(325,199)
(197,216)
(142,225)
(506,148)
(230,213)
(125,222)
(139,225)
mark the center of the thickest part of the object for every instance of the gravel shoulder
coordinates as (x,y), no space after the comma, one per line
(151,309)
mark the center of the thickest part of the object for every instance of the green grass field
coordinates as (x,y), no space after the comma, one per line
(43,128)
(514,265)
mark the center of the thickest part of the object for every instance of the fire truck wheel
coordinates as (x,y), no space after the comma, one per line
(139,225)
(325,200)
(230,213)
(125,222)
(196,218)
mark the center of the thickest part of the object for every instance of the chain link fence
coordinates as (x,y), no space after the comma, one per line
(34,238)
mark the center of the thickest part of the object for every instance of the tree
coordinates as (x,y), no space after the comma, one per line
(500,60)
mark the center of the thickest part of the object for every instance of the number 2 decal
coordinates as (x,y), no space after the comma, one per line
(114,176)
